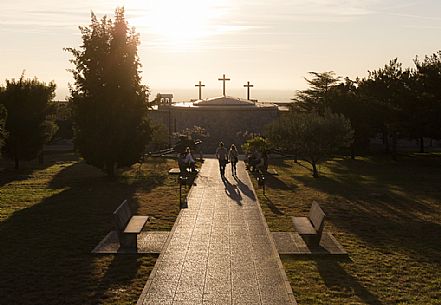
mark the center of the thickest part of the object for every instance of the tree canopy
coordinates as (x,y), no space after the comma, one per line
(313,136)
(256,143)
(393,101)
(425,111)
(316,97)
(109,103)
(28,103)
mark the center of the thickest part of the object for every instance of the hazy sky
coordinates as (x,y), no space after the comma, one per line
(273,43)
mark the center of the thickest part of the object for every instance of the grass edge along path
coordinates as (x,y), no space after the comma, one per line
(386,214)
(52,216)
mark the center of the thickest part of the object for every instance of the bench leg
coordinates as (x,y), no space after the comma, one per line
(129,241)
(312,240)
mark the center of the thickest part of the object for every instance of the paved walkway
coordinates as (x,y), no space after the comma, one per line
(220,250)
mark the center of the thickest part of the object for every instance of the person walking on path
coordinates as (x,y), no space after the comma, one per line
(233,157)
(221,155)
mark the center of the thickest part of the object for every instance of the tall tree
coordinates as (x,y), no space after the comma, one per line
(388,90)
(327,92)
(346,100)
(425,112)
(316,97)
(108,100)
(28,103)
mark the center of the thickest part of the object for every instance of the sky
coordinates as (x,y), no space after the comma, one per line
(273,43)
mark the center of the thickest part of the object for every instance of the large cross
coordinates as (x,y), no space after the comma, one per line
(200,89)
(248,89)
(224,80)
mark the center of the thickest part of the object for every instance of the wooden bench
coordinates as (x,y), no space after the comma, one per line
(128,226)
(174,171)
(310,228)
(177,171)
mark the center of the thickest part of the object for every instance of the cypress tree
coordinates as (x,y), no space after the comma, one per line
(109,103)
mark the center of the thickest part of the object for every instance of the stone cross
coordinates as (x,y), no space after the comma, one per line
(200,89)
(224,80)
(248,89)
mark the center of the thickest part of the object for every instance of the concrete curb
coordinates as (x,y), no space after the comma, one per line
(273,246)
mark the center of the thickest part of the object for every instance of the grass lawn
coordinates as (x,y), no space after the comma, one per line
(52,216)
(386,214)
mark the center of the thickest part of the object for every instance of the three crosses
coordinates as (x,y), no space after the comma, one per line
(223,79)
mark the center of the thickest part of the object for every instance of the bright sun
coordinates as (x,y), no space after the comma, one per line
(181,22)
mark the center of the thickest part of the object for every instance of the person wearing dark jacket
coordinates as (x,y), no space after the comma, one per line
(233,157)
(221,155)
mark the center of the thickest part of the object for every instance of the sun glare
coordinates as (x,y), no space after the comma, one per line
(181,23)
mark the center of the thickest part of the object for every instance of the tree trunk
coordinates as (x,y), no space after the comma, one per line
(16,159)
(315,173)
(295,152)
(353,151)
(17,162)
(394,145)
(421,145)
(110,169)
(386,141)
(41,158)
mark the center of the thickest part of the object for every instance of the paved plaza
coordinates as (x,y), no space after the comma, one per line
(220,250)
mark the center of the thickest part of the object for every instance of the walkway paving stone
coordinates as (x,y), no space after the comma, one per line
(220,250)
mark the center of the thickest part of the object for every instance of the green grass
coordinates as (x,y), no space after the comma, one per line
(386,214)
(52,216)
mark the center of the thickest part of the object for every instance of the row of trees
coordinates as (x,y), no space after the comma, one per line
(392,101)
(334,113)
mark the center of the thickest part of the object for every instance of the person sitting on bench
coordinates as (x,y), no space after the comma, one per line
(254,160)
(262,165)
(181,162)
(189,161)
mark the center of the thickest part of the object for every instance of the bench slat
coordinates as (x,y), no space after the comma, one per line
(136,224)
(303,226)
(122,215)
(316,215)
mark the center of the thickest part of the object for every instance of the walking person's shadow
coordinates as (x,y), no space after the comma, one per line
(232,191)
(244,188)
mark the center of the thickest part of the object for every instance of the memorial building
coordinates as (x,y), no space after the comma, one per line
(225,118)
